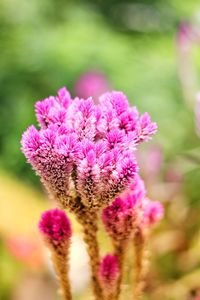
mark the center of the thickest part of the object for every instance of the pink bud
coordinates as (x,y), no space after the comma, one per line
(55,225)
(153,212)
(108,273)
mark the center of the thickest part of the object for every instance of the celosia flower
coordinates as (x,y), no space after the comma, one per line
(184,35)
(122,216)
(56,229)
(55,226)
(187,35)
(153,212)
(130,210)
(109,273)
(84,149)
(92,83)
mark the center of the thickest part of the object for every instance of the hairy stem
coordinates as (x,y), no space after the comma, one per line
(60,262)
(120,251)
(89,223)
(141,256)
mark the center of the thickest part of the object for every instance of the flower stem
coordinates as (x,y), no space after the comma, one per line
(141,256)
(60,262)
(120,251)
(88,219)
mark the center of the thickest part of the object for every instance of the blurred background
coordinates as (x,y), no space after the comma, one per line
(150,50)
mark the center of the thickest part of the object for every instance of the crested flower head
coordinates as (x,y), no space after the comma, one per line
(55,226)
(86,149)
(108,273)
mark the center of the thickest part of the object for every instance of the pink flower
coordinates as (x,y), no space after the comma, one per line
(119,219)
(26,249)
(130,210)
(187,35)
(184,35)
(153,212)
(108,273)
(55,226)
(86,149)
(91,83)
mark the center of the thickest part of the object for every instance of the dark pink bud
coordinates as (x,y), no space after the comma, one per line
(119,219)
(153,212)
(55,225)
(108,273)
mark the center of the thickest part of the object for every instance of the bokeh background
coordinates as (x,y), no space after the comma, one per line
(149,49)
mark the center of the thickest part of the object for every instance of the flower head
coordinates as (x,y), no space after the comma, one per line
(121,217)
(92,83)
(153,212)
(130,210)
(86,149)
(55,226)
(108,273)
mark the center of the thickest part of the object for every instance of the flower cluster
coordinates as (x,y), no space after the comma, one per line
(55,226)
(86,149)
(130,211)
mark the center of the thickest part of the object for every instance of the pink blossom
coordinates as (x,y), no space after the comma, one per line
(55,225)
(125,212)
(137,190)
(25,249)
(145,128)
(119,218)
(92,83)
(84,148)
(187,35)
(153,212)
(108,273)
(184,36)
(131,210)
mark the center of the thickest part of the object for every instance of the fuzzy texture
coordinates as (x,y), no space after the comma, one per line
(55,225)
(122,216)
(85,150)
(89,220)
(109,274)
(55,228)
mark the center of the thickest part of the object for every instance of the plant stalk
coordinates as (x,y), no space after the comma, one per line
(88,219)
(60,262)
(141,262)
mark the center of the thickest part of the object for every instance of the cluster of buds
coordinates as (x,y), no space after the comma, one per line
(84,154)
(129,217)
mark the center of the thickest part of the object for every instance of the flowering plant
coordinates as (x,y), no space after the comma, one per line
(84,154)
